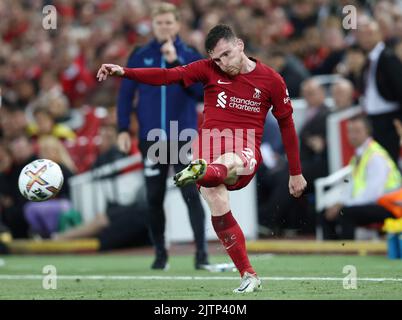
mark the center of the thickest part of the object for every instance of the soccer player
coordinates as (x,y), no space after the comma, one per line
(238,93)
(155,109)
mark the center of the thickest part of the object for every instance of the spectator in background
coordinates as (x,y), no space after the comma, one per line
(271,168)
(289,67)
(75,77)
(43,217)
(398,50)
(303,14)
(393,201)
(6,163)
(313,146)
(278,31)
(332,39)
(169,104)
(386,13)
(49,147)
(374,174)
(312,49)
(398,127)
(119,227)
(342,93)
(26,93)
(49,86)
(108,150)
(282,208)
(51,95)
(382,83)
(12,202)
(6,160)
(13,122)
(64,115)
(46,125)
(351,67)
(108,153)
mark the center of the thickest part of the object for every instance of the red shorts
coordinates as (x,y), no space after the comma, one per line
(252,161)
(250,155)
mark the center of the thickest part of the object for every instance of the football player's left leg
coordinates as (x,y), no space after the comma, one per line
(223,170)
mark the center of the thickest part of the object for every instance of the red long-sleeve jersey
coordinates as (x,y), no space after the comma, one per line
(238,103)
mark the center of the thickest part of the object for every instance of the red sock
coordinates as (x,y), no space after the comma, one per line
(214,176)
(232,238)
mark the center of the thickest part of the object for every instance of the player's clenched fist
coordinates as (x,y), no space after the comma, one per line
(109,69)
(297,184)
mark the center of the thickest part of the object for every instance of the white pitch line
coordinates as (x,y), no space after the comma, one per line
(186,278)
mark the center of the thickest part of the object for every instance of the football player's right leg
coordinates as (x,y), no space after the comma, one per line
(227,228)
(249,283)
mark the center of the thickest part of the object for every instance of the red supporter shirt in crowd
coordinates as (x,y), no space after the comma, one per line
(234,104)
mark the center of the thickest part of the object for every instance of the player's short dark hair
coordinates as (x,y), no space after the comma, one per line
(220,31)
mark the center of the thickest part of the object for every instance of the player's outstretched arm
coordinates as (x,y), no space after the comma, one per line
(152,76)
(108,69)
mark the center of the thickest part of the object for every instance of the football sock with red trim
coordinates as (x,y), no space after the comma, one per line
(232,238)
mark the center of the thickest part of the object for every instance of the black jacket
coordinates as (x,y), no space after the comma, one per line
(389,76)
(316,126)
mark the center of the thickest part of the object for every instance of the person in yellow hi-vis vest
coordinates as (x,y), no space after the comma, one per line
(374,174)
(393,201)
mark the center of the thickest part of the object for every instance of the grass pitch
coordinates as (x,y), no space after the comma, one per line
(129,277)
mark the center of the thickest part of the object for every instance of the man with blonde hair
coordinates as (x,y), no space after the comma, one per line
(160,109)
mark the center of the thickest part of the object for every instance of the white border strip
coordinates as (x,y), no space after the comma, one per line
(185,278)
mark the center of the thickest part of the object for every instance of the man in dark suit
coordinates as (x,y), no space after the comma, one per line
(382,81)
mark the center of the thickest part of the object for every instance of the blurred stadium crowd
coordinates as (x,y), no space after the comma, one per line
(52,107)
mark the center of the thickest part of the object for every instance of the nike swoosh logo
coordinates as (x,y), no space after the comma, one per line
(227,248)
(223,82)
(243,289)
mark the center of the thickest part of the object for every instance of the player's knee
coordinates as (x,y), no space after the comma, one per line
(231,160)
